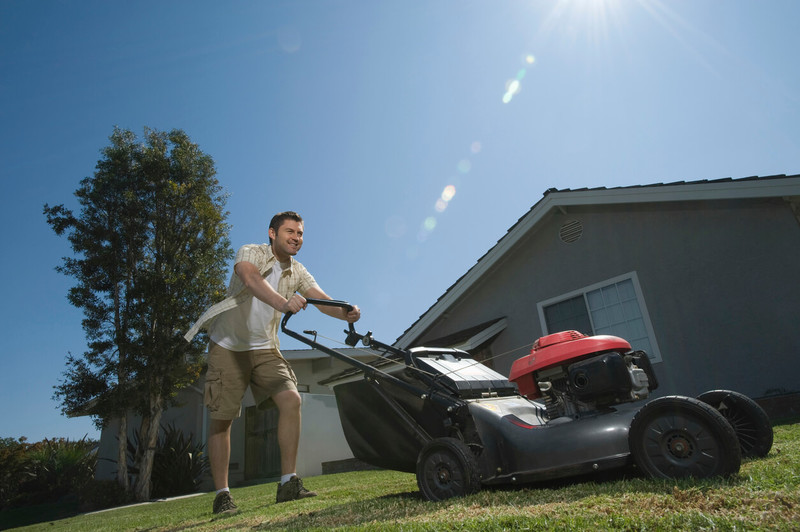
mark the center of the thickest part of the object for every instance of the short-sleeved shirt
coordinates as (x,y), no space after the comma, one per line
(294,278)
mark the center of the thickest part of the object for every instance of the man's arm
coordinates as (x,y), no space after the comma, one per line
(335,312)
(262,290)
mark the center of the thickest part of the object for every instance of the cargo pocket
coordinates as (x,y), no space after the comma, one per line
(213,390)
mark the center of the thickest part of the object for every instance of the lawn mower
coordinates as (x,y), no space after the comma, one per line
(575,405)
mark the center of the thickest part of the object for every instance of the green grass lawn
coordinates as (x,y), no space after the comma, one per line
(765,495)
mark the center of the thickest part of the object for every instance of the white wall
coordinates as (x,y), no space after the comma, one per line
(322,439)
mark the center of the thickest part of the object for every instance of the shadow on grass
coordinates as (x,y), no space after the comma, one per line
(39,513)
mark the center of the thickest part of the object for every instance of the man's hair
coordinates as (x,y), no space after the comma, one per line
(278,219)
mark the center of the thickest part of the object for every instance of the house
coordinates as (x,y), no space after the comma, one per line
(704,276)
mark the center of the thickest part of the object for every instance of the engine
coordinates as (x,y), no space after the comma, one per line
(573,373)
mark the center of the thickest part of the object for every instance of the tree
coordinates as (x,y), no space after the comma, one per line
(151,250)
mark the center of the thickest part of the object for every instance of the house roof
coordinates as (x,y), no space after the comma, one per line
(781,186)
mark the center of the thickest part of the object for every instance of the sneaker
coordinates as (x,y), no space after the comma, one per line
(293,490)
(223,503)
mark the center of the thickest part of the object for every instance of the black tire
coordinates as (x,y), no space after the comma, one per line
(447,468)
(676,437)
(747,418)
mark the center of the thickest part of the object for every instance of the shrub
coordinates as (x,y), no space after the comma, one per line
(12,468)
(56,468)
(178,465)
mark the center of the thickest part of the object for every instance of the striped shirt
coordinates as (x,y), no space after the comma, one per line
(295,278)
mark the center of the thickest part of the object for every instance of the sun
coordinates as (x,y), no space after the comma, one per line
(592,20)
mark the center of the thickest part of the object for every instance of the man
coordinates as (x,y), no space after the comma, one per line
(244,350)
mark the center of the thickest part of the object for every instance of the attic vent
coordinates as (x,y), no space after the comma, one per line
(571,231)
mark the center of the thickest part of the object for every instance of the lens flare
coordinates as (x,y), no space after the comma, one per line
(441,205)
(512,88)
(448,192)
(530,59)
(475,147)
(464,166)
(429,224)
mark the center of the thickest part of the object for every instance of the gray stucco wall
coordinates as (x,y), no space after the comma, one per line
(719,279)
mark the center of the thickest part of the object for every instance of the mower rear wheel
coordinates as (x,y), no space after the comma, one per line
(447,468)
(747,418)
(676,436)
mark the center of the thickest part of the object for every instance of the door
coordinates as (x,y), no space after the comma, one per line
(262,456)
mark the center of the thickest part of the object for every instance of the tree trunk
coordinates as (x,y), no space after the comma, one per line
(148,441)
(122,455)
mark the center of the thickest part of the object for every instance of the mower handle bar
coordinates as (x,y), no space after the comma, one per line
(352,336)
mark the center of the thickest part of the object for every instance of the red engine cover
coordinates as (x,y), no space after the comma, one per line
(555,349)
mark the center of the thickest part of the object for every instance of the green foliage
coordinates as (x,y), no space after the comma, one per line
(178,466)
(47,471)
(12,468)
(150,253)
(58,467)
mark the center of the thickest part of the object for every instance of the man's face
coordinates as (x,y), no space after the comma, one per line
(288,240)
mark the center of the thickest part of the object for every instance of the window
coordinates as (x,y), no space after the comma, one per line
(613,307)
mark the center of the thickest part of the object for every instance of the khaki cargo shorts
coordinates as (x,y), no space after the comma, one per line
(230,372)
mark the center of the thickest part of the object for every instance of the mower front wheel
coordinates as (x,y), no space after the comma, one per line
(676,436)
(447,468)
(747,418)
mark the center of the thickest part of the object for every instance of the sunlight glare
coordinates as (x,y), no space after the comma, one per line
(512,88)
(592,21)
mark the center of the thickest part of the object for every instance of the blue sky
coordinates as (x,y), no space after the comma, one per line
(409,134)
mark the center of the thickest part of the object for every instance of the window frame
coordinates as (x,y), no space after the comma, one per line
(655,356)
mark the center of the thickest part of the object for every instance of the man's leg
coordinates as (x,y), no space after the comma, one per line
(226,381)
(219,450)
(273,378)
(219,455)
(288,403)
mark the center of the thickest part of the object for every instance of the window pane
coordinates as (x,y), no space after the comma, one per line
(637,329)
(626,291)
(600,319)
(615,314)
(621,330)
(567,316)
(630,309)
(610,295)
(595,299)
